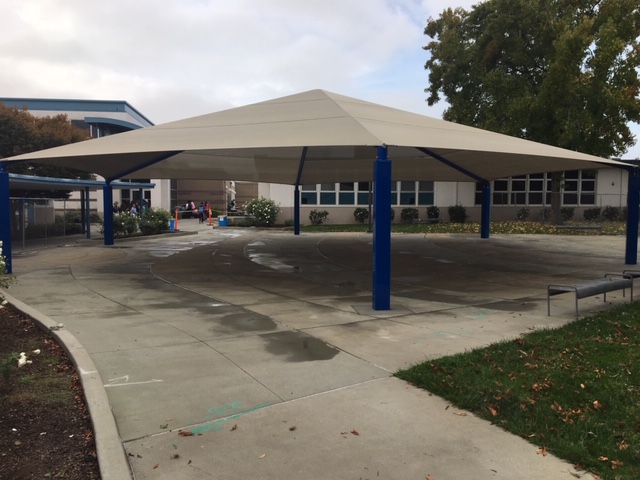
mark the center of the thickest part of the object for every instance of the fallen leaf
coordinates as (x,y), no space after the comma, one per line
(189,462)
(291,429)
(542,451)
(262,456)
(603,459)
(354,432)
(185,434)
(493,411)
(235,427)
(615,464)
(156,465)
(460,414)
(577,475)
(597,405)
(623,445)
(429,477)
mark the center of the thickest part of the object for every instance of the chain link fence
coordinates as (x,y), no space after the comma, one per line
(43,219)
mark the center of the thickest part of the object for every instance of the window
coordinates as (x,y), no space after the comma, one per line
(347,193)
(425,193)
(363,193)
(579,188)
(407,193)
(327,194)
(309,195)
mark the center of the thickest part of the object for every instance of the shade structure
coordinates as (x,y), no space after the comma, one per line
(263,142)
(321,137)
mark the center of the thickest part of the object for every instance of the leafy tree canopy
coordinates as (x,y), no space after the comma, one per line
(21,132)
(560,72)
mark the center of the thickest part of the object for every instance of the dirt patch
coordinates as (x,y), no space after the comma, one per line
(45,428)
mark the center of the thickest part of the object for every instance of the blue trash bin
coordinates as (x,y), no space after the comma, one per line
(172,224)
(222,221)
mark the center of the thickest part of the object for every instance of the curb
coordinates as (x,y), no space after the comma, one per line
(112,458)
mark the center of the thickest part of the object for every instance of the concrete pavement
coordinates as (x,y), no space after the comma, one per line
(240,353)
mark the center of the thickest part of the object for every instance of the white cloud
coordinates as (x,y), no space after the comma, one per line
(178,58)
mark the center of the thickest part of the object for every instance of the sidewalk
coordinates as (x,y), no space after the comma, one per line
(241,353)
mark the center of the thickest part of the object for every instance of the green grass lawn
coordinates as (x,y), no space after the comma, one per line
(572,391)
(608,228)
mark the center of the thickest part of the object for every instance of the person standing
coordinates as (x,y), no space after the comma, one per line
(201,212)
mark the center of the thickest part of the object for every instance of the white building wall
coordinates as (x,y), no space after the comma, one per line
(611,188)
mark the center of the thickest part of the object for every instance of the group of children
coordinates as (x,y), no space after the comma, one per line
(136,209)
(202,210)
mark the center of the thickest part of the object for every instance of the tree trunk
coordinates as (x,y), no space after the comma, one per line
(556,198)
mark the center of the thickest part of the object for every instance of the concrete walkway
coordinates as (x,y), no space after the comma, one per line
(243,353)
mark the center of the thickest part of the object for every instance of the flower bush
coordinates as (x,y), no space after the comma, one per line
(124,225)
(318,217)
(523,214)
(154,221)
(433,212)
(263,211)
(457,214)
(409,215)
(361,214)
(5,280)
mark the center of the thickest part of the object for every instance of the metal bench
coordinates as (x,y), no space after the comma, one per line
(589,288)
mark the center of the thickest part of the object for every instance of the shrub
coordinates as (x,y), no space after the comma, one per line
(611,213)
(591,213)
(318,217)
(409,215)
(154,221)
(124,225)
(566,213)
(263,211)
(393,214)
(361,214)
(523,214)
(244,222)
(290,222)
(457,214)
(4,280)
(433,212)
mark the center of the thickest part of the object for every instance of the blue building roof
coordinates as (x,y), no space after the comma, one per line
(67,105)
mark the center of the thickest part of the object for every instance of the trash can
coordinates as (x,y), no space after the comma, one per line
(222,221)
(172,225)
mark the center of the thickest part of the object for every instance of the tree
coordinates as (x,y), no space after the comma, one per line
(560,72)
(21,132)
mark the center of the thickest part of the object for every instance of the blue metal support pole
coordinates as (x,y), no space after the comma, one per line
(485,216)
(296,210)
(486,190)
(87,211)
(108,213)
(382,231)
(5,216)
(633,216)
(296,199)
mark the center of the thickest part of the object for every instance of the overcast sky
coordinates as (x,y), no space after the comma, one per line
(174,59)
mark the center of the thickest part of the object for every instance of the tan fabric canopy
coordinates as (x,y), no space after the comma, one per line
(264,141)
